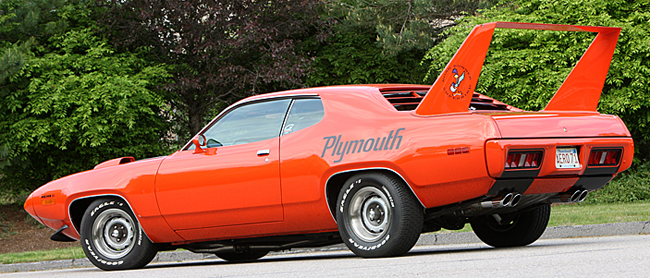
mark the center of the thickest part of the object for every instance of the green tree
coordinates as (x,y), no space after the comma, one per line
(382,41)
(67,99)
(352,56)
(405,25)
(524,68)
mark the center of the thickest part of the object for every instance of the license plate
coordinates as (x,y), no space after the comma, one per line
(566,158)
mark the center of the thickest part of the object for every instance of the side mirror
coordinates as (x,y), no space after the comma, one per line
(199,141)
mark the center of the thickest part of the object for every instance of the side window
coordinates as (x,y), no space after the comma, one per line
(304,113)
(249,123)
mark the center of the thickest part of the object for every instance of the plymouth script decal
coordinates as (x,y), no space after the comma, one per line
(340,148)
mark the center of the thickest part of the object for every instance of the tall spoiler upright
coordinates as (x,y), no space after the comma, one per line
(452,91)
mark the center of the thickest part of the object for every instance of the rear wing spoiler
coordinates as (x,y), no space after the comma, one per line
(452,91)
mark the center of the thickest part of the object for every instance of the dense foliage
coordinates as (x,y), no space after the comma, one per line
(382,41)
(218,51)
(69,100)
(629,186)
(352,56)
(405,25)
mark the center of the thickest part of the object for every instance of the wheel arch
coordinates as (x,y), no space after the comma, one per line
(78,206)
(336,181)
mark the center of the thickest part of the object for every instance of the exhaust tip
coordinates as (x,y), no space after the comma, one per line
(515,200)
(583,196)
(507,200)
(575,196)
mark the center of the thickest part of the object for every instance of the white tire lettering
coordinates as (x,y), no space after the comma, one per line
(345,195)
(140,236)
(369,248)
(390,198)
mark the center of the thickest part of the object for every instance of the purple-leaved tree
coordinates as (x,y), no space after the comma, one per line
(219,51)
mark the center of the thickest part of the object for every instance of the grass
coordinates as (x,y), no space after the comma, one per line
(45,255)
(587,214)
(561,215)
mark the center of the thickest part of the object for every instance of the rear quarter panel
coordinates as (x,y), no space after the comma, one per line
(442,157)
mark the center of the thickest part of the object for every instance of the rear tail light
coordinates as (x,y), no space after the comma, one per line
(600,157)
(523,159)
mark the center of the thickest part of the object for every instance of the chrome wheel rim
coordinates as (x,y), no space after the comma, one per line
(369,214)
(113,233)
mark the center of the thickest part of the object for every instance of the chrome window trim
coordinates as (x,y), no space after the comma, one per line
(286,117)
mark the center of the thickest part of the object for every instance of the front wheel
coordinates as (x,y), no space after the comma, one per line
(378,216)
(111,237)
(515,229)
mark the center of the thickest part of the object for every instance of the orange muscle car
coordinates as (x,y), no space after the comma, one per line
(372,166)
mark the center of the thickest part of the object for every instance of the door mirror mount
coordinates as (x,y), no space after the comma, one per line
(199,142)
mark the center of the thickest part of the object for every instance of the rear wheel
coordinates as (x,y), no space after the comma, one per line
(515,229)
(248,255)
(378,216)
(111,237)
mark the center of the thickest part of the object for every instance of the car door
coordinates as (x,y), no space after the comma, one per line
(235,180)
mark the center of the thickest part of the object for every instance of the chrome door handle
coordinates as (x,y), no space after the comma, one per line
(263,152)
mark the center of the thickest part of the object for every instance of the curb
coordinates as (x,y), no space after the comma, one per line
(598,230)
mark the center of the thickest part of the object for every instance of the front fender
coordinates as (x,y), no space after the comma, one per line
(132,182)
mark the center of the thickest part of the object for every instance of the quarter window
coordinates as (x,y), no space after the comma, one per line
(304,113)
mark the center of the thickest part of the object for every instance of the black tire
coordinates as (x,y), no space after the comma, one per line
(246,256)
(378,216)
(516,229)
(112,238)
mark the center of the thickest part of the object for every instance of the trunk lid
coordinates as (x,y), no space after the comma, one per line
(558,125)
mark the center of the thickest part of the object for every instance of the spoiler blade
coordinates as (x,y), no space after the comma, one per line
(581,89)
(452,91)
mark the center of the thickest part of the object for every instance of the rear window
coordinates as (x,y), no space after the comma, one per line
(409,100)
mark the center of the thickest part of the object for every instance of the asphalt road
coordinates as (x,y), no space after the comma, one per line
(613,256)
